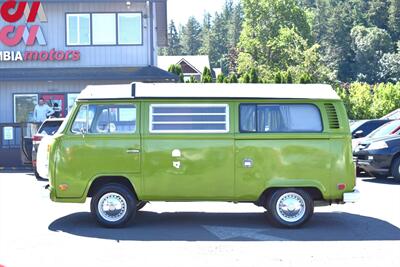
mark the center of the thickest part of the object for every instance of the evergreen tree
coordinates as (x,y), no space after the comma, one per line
(206,77)
(174,47)
(190,37)
(220,78)
(253,76)
(177,69)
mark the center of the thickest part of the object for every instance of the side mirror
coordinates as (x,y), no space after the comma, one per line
(358,134)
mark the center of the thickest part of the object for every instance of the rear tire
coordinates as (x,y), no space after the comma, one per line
(290,208)
(395,168)
(113,205)
(141,205)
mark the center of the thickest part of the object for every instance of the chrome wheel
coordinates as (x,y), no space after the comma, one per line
(112,207)
(291,207)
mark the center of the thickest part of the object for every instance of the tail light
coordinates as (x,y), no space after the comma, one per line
(36,139)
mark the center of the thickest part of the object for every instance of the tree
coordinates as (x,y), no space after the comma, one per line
(253,76)
(378,13)
(289,77)
(206,77)
(177,69)
(260,27)
(233,78)
(278,77)
(220,78)
(369,45)
(394,19)
(389,67)
(190,37)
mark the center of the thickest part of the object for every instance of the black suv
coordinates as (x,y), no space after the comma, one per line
(379,157)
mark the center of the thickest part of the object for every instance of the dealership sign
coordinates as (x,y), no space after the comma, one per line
(11,35)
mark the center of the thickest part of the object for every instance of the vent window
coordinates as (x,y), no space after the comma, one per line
(332,116)
(189,118)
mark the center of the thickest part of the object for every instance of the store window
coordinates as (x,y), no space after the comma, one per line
(78,29)
(129,28)
(104,29)
(24,106)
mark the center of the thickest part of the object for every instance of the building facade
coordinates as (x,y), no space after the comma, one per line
(53,49)
(57,48)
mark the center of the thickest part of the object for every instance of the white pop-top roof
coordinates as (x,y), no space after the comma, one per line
(210,90)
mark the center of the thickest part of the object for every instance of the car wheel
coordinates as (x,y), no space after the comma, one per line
(113,205)
(141,205)
(395,168)
(290,208)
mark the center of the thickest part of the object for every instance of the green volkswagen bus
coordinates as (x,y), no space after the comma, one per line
(283,147)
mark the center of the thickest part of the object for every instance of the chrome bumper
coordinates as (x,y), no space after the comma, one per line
(351,197)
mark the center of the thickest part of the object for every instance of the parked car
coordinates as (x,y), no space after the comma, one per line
(363,128)
(270,145)
(48,127)
(392,127)
(380,157)
(394,115)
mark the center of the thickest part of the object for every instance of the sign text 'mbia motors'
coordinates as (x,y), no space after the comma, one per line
(29,33)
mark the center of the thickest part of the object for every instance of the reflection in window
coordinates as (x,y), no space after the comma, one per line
(280,118)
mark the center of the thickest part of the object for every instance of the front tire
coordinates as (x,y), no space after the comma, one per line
(395,168)
(113,206)
(290,208)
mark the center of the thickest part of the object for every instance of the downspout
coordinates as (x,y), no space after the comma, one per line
(150,6)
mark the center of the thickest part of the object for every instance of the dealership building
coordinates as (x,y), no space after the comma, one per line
(53,49)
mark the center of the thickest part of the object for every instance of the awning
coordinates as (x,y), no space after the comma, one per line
(139,74)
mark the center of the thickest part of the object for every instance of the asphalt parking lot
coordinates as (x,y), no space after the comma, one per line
(36,232)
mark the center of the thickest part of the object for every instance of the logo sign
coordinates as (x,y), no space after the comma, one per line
(30,33)
(12,11)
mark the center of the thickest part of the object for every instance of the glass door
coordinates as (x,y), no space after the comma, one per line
(57,102)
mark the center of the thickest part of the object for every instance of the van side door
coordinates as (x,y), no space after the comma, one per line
(188,151)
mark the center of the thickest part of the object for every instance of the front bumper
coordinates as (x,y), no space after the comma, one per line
(351,197)
(373,162)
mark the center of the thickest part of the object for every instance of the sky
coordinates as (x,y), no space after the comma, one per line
(181,10)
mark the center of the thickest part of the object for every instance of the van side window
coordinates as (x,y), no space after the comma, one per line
(280,118)
(189,118)
(106,119)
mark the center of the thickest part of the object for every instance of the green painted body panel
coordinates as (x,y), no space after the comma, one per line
(212,165)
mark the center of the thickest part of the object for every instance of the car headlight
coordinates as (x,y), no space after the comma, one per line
(378,145)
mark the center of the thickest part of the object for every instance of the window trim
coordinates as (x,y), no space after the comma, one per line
(296,132)
(116,24)
(67,15)
(226,114)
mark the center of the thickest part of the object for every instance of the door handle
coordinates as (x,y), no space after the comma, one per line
(133,151)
